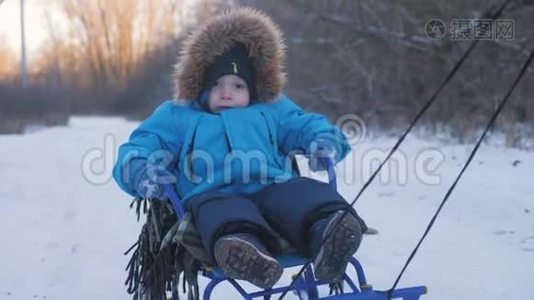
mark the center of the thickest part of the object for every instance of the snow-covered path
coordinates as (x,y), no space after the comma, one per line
(65,227)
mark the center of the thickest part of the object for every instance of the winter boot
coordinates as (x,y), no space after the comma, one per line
(243,256)
(343,237)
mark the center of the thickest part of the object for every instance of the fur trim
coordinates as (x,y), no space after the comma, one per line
(262,38)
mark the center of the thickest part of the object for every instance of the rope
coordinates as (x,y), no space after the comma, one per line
(403,136)
(492,120)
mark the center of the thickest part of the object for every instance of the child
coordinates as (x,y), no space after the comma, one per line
(224,144)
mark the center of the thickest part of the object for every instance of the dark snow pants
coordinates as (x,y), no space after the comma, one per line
(288,209)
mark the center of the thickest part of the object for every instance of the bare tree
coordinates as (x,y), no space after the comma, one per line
(117,34)
(374,59)
(7,60)
(371,58)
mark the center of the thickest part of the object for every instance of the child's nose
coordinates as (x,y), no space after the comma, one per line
(226,92)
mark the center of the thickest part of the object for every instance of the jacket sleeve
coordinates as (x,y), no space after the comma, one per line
(160,131)
(297,129)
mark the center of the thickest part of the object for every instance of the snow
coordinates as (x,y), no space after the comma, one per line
(65,224)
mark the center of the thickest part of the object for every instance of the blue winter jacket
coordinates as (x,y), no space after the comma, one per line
(238,150)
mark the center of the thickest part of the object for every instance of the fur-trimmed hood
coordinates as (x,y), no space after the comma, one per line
(248,26)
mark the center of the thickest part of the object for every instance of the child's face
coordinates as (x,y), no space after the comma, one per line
(229,91)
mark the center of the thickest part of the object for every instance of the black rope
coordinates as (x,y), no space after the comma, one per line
(403,136)
(492,120)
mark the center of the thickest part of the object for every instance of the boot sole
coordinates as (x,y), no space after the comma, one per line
(342,242)
(241,260)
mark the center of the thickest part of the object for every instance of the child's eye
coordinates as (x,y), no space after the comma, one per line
(216,83)
(239,85)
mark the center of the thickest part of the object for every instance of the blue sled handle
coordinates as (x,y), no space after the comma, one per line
(330,167)
(175,200)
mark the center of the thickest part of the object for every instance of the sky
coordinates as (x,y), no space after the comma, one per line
(36,24)
(36,28)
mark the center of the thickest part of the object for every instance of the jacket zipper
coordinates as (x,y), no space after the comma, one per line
(271,139)
(228,142)
(190,154)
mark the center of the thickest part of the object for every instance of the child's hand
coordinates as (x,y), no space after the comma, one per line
(148,189)
(150,183)
(323,152)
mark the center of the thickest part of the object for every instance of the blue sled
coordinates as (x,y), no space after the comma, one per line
(305,287)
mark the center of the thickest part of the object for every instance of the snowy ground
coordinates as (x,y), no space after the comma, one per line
(65,227)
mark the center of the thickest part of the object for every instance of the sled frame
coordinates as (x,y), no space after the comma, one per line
(305,287)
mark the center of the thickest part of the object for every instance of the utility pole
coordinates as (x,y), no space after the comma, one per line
(23,65)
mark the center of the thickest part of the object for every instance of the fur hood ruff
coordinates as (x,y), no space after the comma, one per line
(248,26)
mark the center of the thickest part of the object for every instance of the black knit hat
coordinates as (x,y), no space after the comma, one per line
(234,61)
